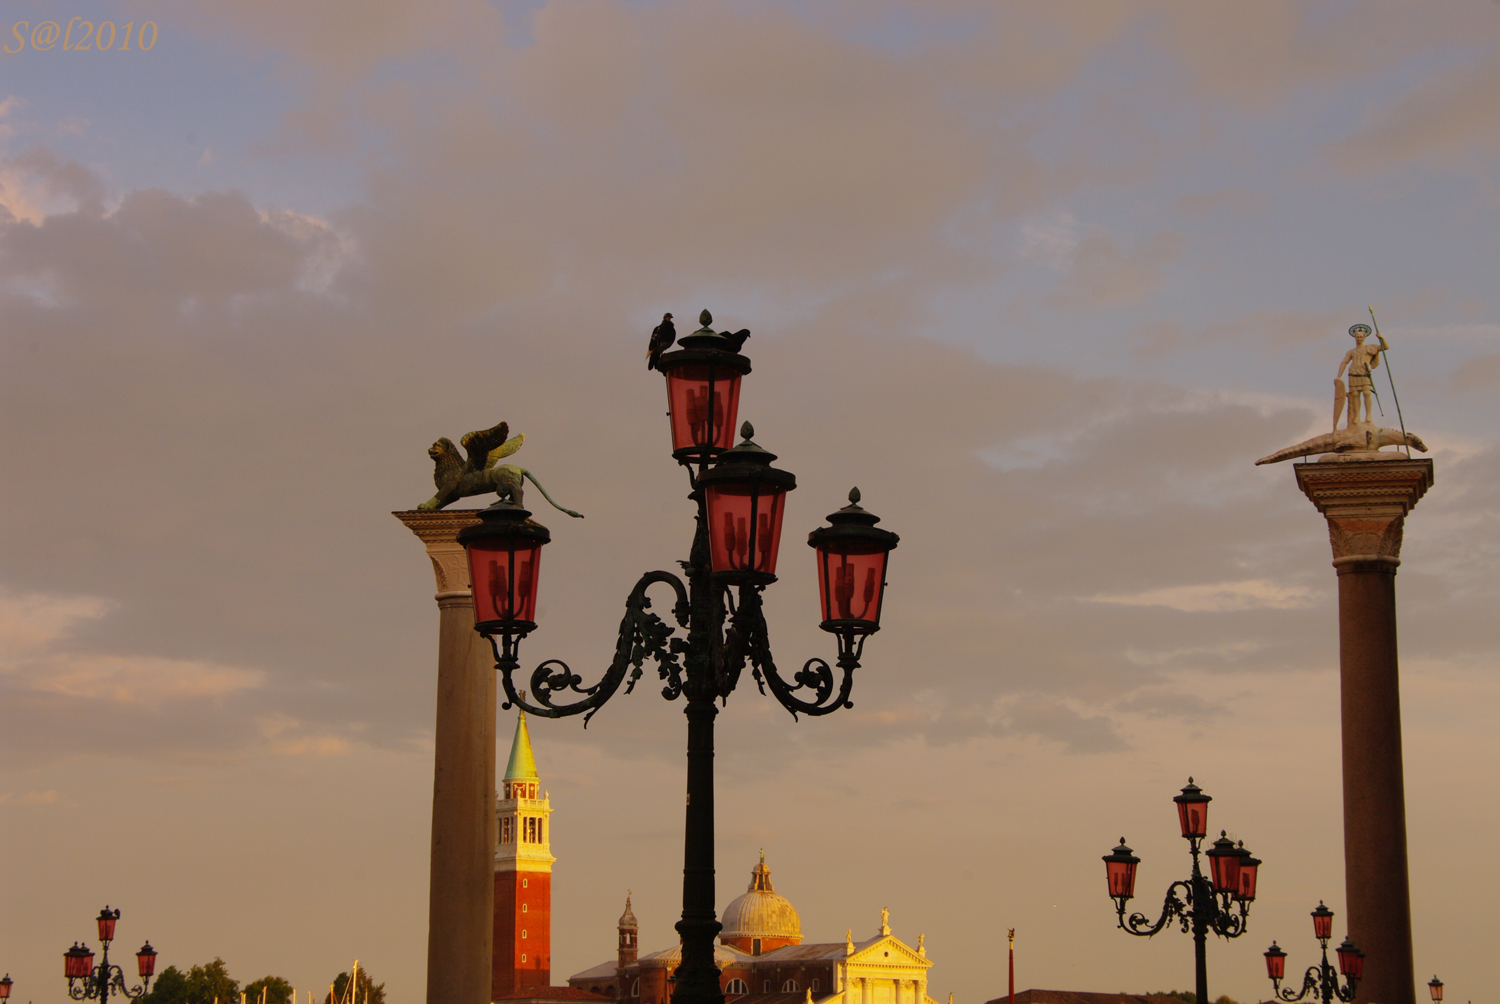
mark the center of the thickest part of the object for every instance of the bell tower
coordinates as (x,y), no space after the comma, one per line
(522,956)
(629,931)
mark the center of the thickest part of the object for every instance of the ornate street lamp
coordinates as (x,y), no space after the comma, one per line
(1435,987)
(86,981)
(1219,903)
(5,985)
(740,499)
(1319,980)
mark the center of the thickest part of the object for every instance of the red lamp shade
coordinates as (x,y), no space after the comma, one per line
(1192,810)
(505,550)
(1249,870)
(1351,959)
(107,919)
(1119,869)
(1436,988)
(703,392)
(78,961)
(1322,922)
(145,961)
(5,987)
(746,499)
(1275,963)
(1224,861)
(852,556)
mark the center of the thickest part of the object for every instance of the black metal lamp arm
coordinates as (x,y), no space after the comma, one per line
(98,983)
(1309,985)
(1173,908)
(1227,924)
(642,634)
(747,639)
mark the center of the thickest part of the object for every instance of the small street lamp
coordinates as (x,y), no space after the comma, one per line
(1319,980)
(1205,905)
(1435,987)
(5,986)
(87,981)
(739,499)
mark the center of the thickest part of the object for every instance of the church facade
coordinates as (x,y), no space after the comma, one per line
(763,960)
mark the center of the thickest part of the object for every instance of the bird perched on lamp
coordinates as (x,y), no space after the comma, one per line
(662,337)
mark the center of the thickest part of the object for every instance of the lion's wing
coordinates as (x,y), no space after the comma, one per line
(505,449)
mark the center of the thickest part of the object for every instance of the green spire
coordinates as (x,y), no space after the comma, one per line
(522,765)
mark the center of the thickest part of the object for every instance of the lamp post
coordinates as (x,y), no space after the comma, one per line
(1207,903)
(1435,988)
(740,500)
(86,980)
(5,986)
(1319,980)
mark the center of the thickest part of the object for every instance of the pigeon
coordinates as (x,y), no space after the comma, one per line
(662,337)
(736,339)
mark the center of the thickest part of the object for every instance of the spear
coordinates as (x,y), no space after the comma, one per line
(1391,377)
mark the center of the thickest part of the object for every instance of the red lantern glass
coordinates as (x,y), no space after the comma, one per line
(703,402)
(745,497)
(1322,922)
(107,918)
(1351,959)
(851,584)
(1275,962)
(504,550)
(852,556)
(745,527)
(78,961)
(1119,869)
(504,579)
(1224,862)
(1435,988)
(1192,810)
(145,961)
(1249,870)
(5,987)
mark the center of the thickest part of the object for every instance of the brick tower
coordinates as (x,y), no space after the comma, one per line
(522,956)
(629,932)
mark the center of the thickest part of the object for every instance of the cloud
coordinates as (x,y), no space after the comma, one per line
(32,622)
(1266,329)
(1448,121)
(1051,241)
(141,680)
(47,797)
(1219,597)
(1103,272)
(1481,373)
(34,628)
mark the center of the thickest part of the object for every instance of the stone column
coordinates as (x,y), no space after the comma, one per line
(1366,502)
(461,896)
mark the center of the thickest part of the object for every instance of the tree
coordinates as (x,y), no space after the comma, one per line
(199,985)
(276,989)
(369,992)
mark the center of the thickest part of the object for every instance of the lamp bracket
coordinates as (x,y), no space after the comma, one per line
(747,639)
(642,634)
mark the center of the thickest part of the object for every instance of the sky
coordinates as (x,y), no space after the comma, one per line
(1042,279)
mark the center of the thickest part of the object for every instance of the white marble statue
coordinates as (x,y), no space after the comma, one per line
(1360,438)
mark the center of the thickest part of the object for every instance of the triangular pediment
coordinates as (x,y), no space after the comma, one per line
(886,951)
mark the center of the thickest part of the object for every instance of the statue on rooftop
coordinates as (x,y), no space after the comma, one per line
(1360,436)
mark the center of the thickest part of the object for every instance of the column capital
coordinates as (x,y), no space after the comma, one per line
(437,529)
(1365,503)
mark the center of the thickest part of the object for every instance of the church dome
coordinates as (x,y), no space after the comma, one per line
(760,912)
